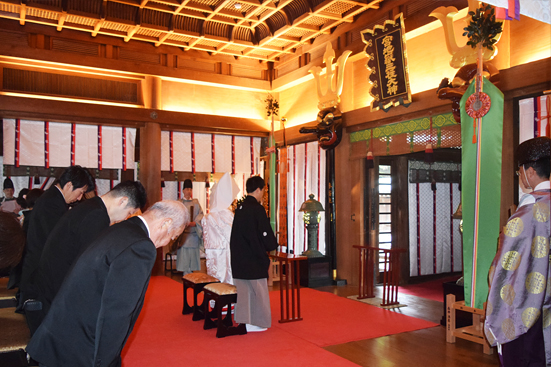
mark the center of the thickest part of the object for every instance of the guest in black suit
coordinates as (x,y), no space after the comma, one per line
(75,231)
(30,199)
(96,308)
(12,241)
(49,208)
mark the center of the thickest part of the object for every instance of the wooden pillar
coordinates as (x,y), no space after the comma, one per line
(400,216)
(150,155)
(150,161)
(150,172)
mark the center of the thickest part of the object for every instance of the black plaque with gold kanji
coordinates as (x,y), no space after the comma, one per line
(387,63)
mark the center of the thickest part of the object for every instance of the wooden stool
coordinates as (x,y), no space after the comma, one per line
(169,260)
(197,281)
(223,294)
(474,333)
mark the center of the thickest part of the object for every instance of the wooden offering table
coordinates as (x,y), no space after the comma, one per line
(372,257)
(289,279)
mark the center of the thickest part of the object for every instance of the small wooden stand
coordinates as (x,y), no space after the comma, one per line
(474,333)
(289,311)
(370,257)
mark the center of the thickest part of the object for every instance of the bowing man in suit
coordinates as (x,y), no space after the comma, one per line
(75,231)
(49,208)
(95,310)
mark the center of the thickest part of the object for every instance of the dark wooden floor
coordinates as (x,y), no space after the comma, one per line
(423,348)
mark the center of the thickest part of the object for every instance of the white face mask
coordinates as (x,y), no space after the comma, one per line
(529,188)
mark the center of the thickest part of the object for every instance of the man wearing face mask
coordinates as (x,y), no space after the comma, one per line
(518,318)
(97,306)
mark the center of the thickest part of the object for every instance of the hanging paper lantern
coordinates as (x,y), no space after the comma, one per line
(433,185)
(429,153)
(370,160)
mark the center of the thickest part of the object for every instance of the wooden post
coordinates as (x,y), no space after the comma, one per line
(273,197)
(450,322)
(150,172)
(150,152)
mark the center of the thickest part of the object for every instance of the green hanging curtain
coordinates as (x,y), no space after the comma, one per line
(481,192)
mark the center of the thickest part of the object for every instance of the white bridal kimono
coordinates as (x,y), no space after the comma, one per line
(217,229)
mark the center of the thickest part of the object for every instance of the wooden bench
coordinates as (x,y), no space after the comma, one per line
(196,281)
(223,295)
(7,296)
(14,337)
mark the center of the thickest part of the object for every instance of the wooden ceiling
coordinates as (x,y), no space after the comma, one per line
(257,29)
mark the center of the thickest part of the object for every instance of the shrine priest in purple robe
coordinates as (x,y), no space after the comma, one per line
(518,318)
(217,227)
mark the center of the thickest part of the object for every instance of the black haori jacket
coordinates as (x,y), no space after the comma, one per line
(251,238)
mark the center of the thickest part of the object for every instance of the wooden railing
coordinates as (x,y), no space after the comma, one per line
(369,259)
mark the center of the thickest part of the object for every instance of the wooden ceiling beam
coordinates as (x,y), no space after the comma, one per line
(101,20)
(133,30)
(326,28)
(131,33)
(258,13)
(170,2)
(61,21)
(22,13)
(181,6)
(97,27)
(163,38)
(218,8)
(280,5)
(250,14)
(192,44)
(334,16)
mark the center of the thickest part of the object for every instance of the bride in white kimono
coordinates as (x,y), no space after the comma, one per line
(217,229)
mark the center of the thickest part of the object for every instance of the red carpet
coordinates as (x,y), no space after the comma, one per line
(430,290)
(164,337)
(330,319)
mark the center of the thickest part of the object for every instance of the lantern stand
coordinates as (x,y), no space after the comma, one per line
(311,209)
(317,272)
